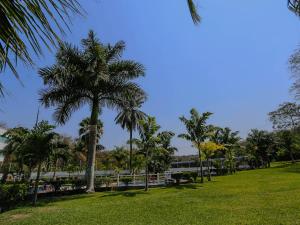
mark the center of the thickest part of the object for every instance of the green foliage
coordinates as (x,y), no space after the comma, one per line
(11,195)
(27,24)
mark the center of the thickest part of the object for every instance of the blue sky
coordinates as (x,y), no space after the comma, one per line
(234,64)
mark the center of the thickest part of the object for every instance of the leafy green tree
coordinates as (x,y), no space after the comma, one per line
(208,149)
(148,142)
(287,116)
(261,144)
(289,141)
(197,131)
(119,158)
(38,146)
(230,142)
(95,75)
(162,157)
(130,115)
(13,151)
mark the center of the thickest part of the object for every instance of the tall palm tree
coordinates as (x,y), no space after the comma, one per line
(94,75)
(147,143)
(294,6)
(197,132)
(129,117)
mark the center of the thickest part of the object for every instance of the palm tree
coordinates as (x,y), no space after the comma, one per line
(26,24)
(230,141)
(168,150)
(84,130)
(294,6)
(148,142)
(38,146)
(96,76)
(60,151)
(197,132)
(129,116)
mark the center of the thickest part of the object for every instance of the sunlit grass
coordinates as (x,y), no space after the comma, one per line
(265,196)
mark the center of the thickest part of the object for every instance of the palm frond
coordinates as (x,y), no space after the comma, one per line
(193,11)
(30,23)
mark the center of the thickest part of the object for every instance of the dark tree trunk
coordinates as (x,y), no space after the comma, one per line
(292,156)
(130,150)
(36,184)
(90,170)
(146,172)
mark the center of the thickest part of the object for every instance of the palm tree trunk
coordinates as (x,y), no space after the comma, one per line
(36,184)
(146,172)
(208,170)
(201,167)
(90,170)
(130,150)
(54,170)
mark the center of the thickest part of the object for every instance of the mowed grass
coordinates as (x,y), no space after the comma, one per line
(265,196)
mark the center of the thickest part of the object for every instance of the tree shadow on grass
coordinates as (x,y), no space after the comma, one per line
(125,194)
(187,186)
(288,167)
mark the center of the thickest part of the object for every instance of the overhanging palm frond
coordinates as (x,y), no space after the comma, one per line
(29,23)
(193,11)
(294,6)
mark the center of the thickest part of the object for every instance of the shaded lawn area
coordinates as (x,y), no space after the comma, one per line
(265,196)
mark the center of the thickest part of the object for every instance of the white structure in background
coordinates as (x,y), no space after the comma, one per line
(2,142)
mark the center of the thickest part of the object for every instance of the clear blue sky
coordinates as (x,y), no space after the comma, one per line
(234,64)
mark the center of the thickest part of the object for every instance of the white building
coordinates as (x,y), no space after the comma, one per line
(2,142)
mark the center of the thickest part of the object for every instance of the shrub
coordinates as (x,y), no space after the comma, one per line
(11,195)
(126,180)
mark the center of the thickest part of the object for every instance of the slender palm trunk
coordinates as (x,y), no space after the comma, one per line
(201,167)
(146,172)
(130,151)
(54,170)
(36,184)
(90,170)
(208,170)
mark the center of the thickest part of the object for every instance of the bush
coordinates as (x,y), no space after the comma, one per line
(126,180)
(189,176)
(11,195)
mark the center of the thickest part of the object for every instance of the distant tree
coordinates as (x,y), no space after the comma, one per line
(261,145)
(13,151)
(38,146)
(208,149)
(130,115)
(94,75)
(148,142)
(60,151)
(197,132)
(230,142)
(167,150)
(287,116)
(289,141)
(119,157)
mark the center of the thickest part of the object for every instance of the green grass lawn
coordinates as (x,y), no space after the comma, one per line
(265,196)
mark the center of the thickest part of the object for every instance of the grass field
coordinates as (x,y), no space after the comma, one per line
(265,196)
